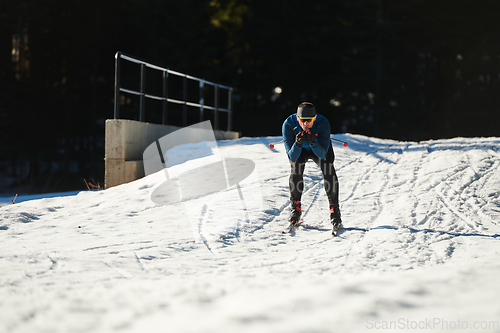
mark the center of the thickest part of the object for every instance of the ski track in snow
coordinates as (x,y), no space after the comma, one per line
(420,240)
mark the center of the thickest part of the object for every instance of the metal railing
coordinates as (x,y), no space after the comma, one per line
(165,98)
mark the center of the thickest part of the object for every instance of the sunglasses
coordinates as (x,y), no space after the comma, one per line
(307,119)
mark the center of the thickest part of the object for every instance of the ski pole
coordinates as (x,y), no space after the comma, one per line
(342,142)
(271,145)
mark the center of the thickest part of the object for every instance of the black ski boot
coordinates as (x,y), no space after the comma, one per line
(296,212)
(335,219)
(294,218)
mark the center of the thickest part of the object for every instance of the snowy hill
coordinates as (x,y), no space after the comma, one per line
(419,251)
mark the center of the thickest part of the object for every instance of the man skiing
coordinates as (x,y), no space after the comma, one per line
(306,135)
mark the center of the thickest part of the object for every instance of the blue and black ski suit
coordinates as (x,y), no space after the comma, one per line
(321,153)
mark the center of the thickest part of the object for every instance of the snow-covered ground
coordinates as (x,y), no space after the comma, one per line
(419,252)
(7,200)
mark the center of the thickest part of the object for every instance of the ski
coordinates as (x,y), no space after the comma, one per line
(292,226)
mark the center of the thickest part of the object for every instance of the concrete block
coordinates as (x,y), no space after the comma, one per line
(125,142)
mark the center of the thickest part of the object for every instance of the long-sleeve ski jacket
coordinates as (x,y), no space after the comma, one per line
(291,128)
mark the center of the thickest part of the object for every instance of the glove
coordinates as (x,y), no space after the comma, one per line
(299,139)
(311,138)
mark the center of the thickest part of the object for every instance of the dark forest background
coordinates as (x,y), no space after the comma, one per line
(407,70)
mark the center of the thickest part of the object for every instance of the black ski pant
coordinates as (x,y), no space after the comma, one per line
(296,181)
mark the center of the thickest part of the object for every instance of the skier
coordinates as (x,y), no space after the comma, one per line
(306,135)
